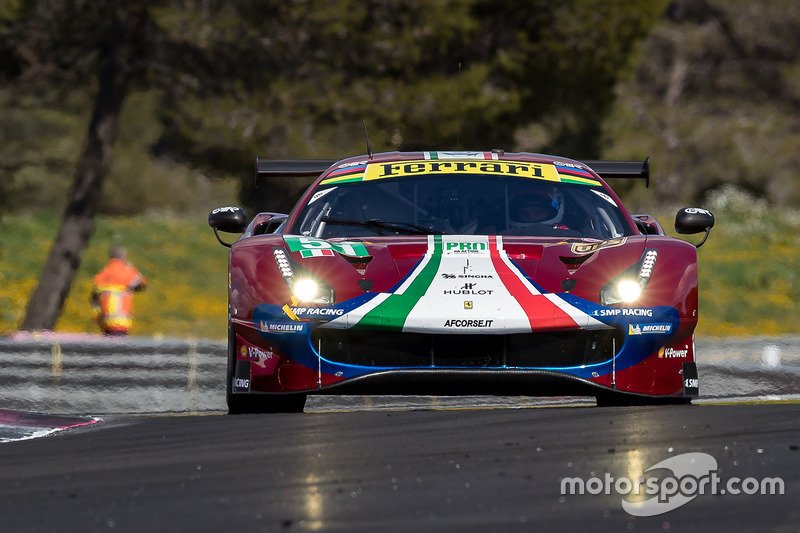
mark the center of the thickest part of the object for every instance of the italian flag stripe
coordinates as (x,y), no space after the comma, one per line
(461,155)
(541,312)
(317,253)
(393,311)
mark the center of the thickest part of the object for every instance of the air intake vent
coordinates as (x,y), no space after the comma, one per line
(523,350)
(359,263)
(573,263)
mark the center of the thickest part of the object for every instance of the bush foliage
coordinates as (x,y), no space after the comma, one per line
(714,101)
(224,81)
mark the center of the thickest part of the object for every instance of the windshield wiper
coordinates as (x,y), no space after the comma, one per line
(377,223)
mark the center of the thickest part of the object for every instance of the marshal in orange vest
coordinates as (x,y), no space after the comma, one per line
(112,294)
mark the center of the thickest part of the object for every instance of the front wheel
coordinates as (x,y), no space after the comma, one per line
(619,399)
(266,403)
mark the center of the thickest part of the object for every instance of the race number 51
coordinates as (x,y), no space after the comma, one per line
(313,247)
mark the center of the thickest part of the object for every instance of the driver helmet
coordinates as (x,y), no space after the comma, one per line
(536,207)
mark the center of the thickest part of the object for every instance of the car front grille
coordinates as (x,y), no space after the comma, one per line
(523,350)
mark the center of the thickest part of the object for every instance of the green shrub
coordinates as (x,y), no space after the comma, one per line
(185,267)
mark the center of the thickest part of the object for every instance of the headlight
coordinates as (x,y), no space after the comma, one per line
(304,286)
(629,290)
(305,290)
(628,286)
(308,290)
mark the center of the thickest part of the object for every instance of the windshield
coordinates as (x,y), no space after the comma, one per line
(459,204)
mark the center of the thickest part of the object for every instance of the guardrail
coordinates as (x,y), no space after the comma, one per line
(91,374)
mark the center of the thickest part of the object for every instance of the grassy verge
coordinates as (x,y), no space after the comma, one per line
(749,271)
(185,267)
(749,268)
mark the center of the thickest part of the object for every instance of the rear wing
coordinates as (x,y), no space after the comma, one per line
(622,169)
(266,168)
(291,168)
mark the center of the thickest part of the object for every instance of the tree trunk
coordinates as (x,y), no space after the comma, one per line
(44,307)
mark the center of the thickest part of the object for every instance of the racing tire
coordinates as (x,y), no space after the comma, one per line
(266,403)
(628,400)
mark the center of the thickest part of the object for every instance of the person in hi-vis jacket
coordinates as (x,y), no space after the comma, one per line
(112,294)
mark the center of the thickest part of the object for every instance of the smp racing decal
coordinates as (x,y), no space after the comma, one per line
(691,385)
(240,381)
(313,247)
(623,311)
(315,313)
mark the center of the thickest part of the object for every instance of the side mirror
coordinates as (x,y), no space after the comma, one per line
(228,219)
(691,220)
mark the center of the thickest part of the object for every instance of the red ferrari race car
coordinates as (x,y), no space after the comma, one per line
(459,273)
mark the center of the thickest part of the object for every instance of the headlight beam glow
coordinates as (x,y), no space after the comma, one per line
(305,290)
(629,290)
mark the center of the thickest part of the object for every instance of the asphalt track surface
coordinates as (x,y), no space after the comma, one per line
(453,469)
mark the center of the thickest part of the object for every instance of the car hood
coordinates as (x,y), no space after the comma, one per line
(472,282)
